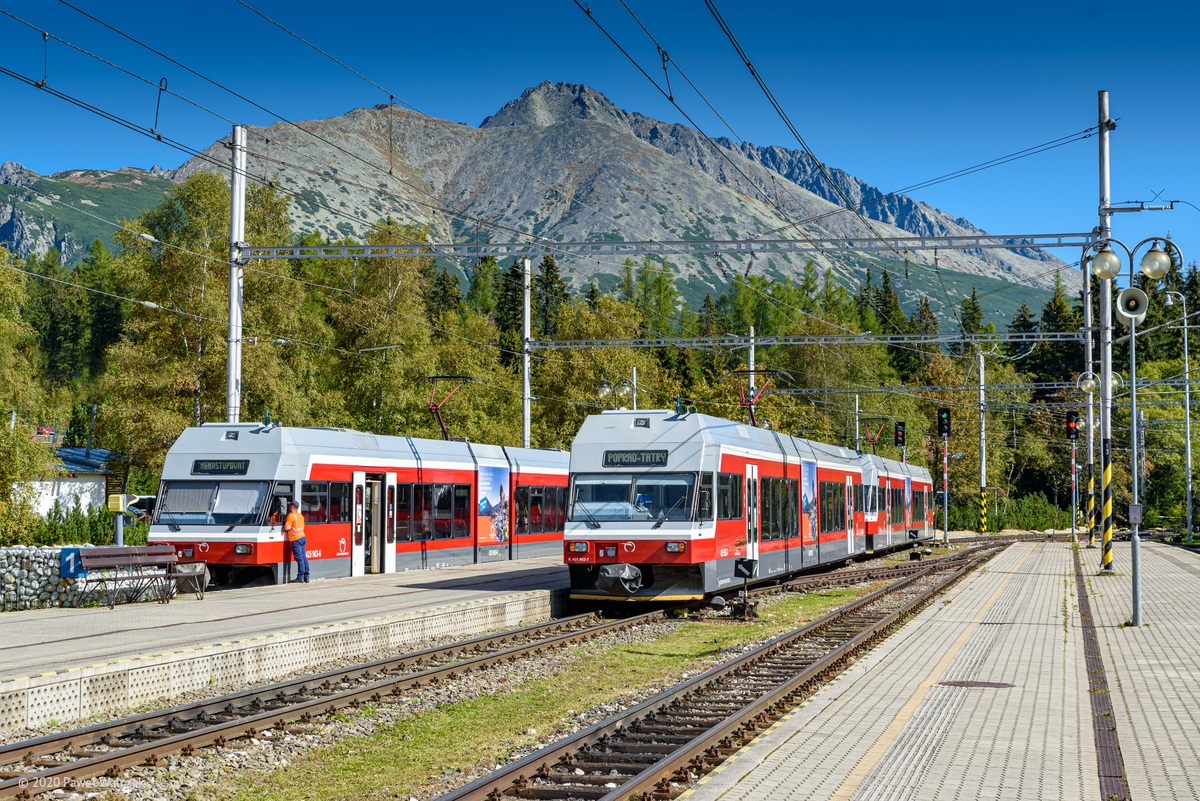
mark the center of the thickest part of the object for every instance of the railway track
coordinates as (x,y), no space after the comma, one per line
(59,761)
(658,748)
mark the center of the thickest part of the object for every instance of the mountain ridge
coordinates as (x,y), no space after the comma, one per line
(563,163)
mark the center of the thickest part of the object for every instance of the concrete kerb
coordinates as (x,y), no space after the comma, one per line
(81,692)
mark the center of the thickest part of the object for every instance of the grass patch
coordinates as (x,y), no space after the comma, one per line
(401,758)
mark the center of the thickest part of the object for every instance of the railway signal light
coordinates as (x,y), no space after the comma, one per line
(1072,425)
(943,420)
(901,431)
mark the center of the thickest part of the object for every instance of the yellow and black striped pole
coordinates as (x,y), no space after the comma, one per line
(1091,507)
(982,510)
(1106,554)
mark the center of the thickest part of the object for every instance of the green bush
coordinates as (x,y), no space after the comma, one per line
(79,527)
(1033,511)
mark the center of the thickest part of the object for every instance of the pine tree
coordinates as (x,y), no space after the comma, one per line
(1023,322)
(550,294)
(1058,361)
(482,291)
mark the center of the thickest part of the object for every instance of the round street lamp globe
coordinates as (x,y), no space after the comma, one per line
(1087,385)
(1156,263)
(1106,264)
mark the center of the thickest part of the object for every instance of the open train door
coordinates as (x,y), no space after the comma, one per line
(360,522)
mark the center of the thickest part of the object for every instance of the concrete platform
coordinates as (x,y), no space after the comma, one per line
(62,665)
(986,695)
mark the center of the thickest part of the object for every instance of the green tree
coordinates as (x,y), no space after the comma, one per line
(60,313)
(169,369)
(482,290)
(445,301)
(550,296)
(1057,361)
(107,310)
(20,391)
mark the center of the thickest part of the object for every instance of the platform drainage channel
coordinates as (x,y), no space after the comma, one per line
(1110,766)
(986,685)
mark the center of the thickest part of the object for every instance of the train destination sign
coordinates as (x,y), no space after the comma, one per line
(220,467)
(635,458)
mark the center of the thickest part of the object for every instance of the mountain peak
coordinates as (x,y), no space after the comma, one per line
(551,103)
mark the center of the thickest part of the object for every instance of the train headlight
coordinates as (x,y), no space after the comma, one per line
(243,548)
(577,547)
(676,547)
(187,553)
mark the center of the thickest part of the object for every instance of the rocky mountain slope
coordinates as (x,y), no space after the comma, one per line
(69,210)
(563,163)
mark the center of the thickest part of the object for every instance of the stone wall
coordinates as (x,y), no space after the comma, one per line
(30,578)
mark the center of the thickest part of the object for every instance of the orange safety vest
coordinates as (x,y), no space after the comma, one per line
(294,526)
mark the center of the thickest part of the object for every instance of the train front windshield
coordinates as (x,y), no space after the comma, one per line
(632,496)
(218,503)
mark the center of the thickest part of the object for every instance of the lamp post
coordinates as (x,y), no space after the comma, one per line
(1132,306)
(1187,407)
(1088,384)
(625,388)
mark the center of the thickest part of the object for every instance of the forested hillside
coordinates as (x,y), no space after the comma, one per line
(141,333)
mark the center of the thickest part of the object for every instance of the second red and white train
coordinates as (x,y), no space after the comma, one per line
(671,506)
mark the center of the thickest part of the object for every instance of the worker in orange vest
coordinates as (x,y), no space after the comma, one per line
(293,527)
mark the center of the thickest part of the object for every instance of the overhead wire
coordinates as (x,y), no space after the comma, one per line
(834,185)
(149,132)
(267,181)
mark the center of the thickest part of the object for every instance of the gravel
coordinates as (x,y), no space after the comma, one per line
(192,778)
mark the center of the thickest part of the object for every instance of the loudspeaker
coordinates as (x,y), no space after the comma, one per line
(1131,306)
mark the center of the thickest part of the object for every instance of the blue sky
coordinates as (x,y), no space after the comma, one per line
(895,94)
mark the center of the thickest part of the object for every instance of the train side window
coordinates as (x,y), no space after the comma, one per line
(551,510)
(833,506)
(535,509)
(729,496)
(706,496)
(461,526)
(314,501)
(443,509)
(404,512)
(340,507)
(422,519)
(791,508)
(560,498)
(522,510)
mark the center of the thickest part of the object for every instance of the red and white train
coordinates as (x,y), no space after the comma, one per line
(671,506)
(372,504)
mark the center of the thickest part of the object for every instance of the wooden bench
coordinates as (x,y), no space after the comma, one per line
(139,570)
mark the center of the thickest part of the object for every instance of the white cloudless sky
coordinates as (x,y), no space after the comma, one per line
(895,94)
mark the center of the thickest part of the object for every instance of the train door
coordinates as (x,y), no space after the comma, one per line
(850,515)
(752,511)
(388,540)
(374,534)
(358,547)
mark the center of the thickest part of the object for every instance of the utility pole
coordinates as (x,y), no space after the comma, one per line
(526,346)
(856,442)
(946,489)
(237,235)
(1085,267)
(982,453)
(750,362)
(1105,232)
